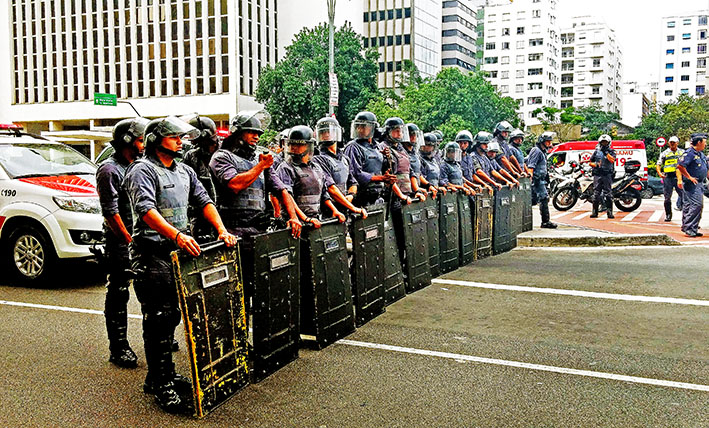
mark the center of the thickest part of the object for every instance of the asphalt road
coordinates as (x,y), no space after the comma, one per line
(446,356)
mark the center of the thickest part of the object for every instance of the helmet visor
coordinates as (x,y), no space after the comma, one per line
(203,133)
(328,132)
(362,129)
(454,154)
(299,151)
(416,139)
(398,133)
(174,127)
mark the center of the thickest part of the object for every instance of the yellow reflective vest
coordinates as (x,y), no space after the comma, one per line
(671,159)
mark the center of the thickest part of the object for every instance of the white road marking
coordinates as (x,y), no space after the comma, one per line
(529,366)
(576,293)
(60,308)
(580,216)
(448,355)
(631,216)
(561,215)
(656,216)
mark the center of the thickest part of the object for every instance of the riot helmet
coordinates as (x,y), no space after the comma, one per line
(363,126)
(439,135)
(546,137)
(482,138)
(501,127)
(415,137)
(604,140)
(430,142)
(516,135)
(395,131)
(127,131)
(452,152)
(327,132)
(300,144)
(158,129)
(493,148)
(464,137)
(253,121)
(208,137)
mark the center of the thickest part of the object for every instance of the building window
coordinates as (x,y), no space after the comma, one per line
(668,93)
(702,20)
(687,21)
(520,74)
(520,59)
(535,42)
(505,75)
(534,100)
(670,24)
(685,64)
(685,78)
(700,90)
(536,13)
(493,74)
(505,31)
(504,89)
(669,79)
(670,52)
(596,62)
(702,49)
(535,57)
(489,46)
(684,91)
(491,60)
(535,86)
(702,35)
(669,65)
(534,72)
(520,30)
(519,88)
(702,63)
(505,46)
(686,36)
(686,50)
(670,38)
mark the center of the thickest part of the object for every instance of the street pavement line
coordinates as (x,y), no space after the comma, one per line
(631,216)
(558,216)
(577,293)
(656,216)
(521,365)
(582,215)
(60,308)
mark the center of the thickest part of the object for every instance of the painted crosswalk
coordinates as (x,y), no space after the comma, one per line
(649,215)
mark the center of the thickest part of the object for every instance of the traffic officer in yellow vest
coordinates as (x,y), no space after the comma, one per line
(667,170)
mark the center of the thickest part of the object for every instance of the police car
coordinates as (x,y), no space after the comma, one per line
(49,208)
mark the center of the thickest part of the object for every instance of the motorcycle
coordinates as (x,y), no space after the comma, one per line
(579,185)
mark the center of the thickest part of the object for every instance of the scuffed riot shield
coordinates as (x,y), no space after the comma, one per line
(501,224)
(367,265)
(326,311)
(274,265)
(448,227)
(418,272)
(434,244)
(515,217)
(526,185)
(212,301)
(484,204)
(394,288)
(466,233)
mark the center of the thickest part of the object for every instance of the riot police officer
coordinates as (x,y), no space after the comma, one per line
(160,190)
(198,159)
(504,158)
(117,227)
(411,147)
(305,183)
(430,166)
(397,160)
(537,164)
(451,171)
(694,169)
(603,163)
(493,153)
(366,160)
(438,153)
(485,173)
(328,134)
(667,170)
(465,141)
(516,140)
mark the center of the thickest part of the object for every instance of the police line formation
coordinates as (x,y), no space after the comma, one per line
(413,208)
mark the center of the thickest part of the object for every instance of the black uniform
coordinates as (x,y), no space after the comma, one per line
(365,161)
(198,159)
(603,177)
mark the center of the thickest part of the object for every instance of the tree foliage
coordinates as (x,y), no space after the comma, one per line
(450,101)
(297,90)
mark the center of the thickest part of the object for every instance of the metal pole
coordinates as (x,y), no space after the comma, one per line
(331,15)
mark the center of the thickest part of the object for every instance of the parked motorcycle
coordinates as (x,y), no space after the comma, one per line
(579,185)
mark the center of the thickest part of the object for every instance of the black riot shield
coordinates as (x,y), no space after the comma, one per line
(501,223)
(394,288)
(448,228)
(418,273)
(212,301)
(434,244)
(274,266)
(367,266)
(516,214)
(484,205)
(526,186)
(466,232)
(326,311)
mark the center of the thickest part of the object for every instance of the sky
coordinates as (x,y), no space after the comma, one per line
(637,25)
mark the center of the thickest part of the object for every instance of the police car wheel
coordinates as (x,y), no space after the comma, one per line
(29,255)
(629,200)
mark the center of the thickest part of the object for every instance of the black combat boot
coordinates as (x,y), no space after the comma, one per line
(609,203)
(170,389)
(594,212)
(544,211)
(121,353)
(668,211)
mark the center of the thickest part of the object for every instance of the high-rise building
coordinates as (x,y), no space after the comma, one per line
(522,51)
(165,58)
(403,30)
(591,65)
(684,55)
(460,43)
(638,101)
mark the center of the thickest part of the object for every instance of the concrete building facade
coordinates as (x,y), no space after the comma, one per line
(460,41)
(591,65)
(522,52)
(683,68)
(638,102)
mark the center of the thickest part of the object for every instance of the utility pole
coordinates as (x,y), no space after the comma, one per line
(331,15)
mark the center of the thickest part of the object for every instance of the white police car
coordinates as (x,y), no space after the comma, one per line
(49,208)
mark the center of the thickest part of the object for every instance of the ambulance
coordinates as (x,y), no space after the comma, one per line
(49,207)
(562,154)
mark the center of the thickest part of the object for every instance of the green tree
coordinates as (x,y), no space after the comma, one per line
(297,90)
(450,101)
(596,121)
(559,121)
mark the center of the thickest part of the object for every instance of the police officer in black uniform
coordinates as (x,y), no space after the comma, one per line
(430,166)
(328,134)
(694,168)
(397,160)
(603,163)
(366,161)
(451,171)
(537,164)
(117,228)
(505,158)
(160,190)
(484,171)
(198,159)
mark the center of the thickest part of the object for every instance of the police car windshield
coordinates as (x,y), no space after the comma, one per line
(43,159)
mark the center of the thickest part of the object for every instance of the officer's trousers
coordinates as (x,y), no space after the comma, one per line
(669,184)
(117,294)
(693,204)
(602,188)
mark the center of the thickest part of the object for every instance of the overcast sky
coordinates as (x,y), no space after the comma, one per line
(637,24)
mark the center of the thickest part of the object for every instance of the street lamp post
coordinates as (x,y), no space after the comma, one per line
(331,16)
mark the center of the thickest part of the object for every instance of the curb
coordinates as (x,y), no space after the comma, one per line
(598,241)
